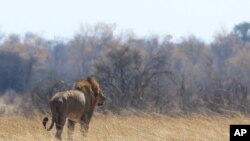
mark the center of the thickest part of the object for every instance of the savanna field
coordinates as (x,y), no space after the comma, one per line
(155,74)
(111,127)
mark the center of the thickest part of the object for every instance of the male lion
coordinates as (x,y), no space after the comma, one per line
(77,105)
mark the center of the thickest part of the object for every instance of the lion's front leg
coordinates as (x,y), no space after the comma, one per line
(85,120)
(84,128)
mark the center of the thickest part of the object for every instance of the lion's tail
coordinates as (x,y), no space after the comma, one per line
(45,120)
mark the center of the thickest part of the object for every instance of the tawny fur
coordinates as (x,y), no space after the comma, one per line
(76,105)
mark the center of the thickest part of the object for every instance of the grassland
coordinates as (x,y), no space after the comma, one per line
(127,128)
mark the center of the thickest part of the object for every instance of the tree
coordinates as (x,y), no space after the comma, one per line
(14,71)
(129,74)
(243,31)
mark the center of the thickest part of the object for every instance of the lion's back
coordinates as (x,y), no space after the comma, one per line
(69,95)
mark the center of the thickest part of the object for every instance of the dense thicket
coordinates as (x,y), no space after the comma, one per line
(151,73)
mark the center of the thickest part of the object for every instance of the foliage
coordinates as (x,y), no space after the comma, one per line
(149,74)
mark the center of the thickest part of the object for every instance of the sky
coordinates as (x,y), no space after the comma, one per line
(179,18)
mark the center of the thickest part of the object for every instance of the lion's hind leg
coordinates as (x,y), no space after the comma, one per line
(71,127)
(60,118)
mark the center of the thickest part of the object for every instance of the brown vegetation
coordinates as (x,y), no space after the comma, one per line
(127,128)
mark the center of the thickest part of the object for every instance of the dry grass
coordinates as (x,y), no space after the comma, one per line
(129,128)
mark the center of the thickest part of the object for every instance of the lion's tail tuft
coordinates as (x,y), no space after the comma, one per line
(45,120)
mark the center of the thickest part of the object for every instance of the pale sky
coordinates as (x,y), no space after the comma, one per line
(180,18)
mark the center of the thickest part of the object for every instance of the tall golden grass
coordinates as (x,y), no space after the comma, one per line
(127,128)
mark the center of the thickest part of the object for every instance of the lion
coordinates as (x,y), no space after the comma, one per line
(76,105)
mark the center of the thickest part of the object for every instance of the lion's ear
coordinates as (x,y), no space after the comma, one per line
(89,79)
(93,83)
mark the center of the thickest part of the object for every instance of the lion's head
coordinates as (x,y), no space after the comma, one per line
(92,87)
